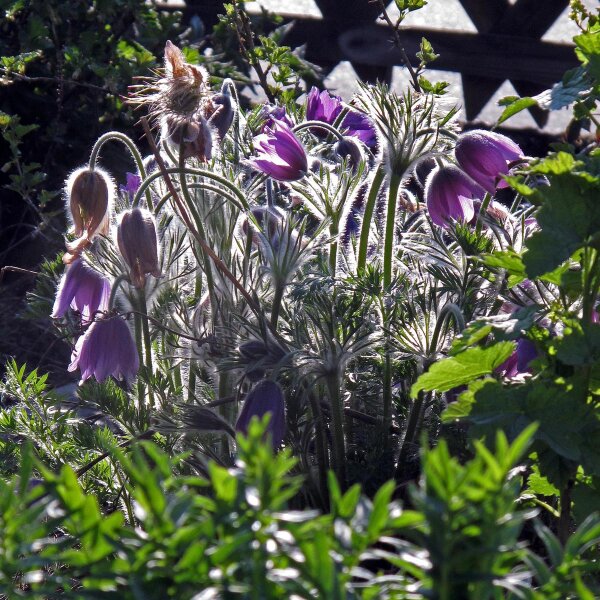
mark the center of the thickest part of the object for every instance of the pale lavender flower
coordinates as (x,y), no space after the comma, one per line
(265,397)
(280,153)
(485,156)
(106,348)
(449,195)
(83,289)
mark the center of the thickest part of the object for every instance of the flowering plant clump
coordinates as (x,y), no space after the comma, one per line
(349,281)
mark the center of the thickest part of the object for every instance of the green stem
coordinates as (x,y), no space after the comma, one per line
(276,305)
(333,248)
(243,203)
(390,229)
(482,210)
(318,125)
(368,217)
(412,431)
(191,384)
(129,143)
(337,421)
(147,342)
(137,329)
(387,395)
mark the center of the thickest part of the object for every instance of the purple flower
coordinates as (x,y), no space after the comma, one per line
(518,362)
(106,348)
(272,113)
(83,289)
(265,397)
(485,156)
(449,194)
(132,186)
(280,153)
(136,238)
(322,106)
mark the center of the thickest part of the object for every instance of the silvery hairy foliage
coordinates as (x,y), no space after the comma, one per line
(291,251)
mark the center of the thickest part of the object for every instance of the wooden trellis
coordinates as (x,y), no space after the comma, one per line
(506,46)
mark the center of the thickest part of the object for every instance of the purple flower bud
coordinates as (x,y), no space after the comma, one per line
(359,125)
(518,362)
(83,289)
(265,397)
(90,195)
(271,113)
(280,154)
(449,194)
(107,348)
(485,156)
(136,237)
(221,112)
(350,149)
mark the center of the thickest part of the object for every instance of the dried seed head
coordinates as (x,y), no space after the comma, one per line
(136,237)
(90,194)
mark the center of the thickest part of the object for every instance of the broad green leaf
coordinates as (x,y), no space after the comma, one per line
(462,368)
(579,347)
(516,107)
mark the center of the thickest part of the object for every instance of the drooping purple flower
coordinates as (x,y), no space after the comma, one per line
(265,397)
(449,195)
(83,289)
(485,155)
(106,348)
(132,186)
(279,153)
(323,106)
(136,238)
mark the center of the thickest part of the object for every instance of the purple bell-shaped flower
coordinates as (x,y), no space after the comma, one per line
(485,156)
(280,154)
(106,348)
(265,397)
(83,289)
(449,195)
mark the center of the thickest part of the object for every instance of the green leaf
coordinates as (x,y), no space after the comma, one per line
(463,368)
(516,107)
(575,84)
(579,347)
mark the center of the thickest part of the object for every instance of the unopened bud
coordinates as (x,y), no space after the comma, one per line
(90,193)
(192,137)
(350,149)
(269,219)
(220,111)
(136,237)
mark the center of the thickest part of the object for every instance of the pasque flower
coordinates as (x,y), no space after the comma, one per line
(83,289)
(485,155)
(106,348)
(265,397)
(279,153)
(136,238)
(322,106)
(518,362)
(90,193)
(449,195)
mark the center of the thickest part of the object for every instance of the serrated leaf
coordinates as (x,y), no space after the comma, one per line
(516,107)
(462,368)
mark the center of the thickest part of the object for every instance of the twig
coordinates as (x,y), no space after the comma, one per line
(16,270)
(398,44)
(56,80)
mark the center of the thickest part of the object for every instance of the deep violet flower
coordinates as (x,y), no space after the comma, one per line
(280,153)
(265,397)
(272,113)
(485,155)
(106,348)
(518,362)
(449,195)
(83,289)
(322,106)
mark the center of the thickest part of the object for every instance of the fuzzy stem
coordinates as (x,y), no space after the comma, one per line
(368,217)
(147,342)
(337,421)
(129,143)
(412,430)
(321,448)
(137,329)
(564,520)
(333,247)
(390,229)
(387,396)
(318,125)
(276,305)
